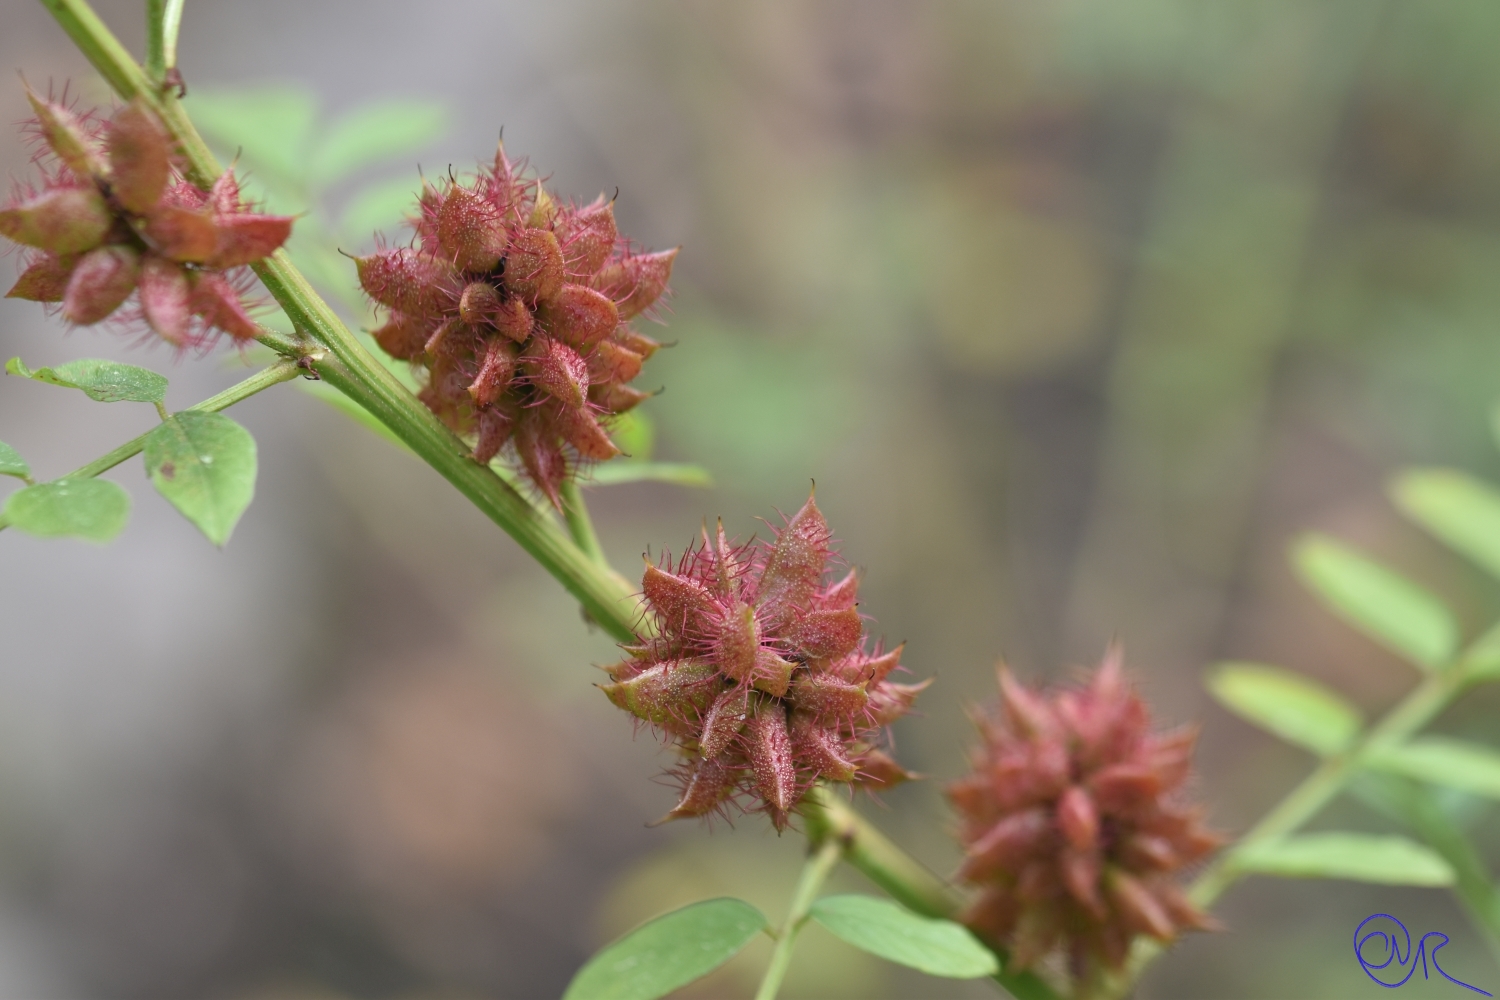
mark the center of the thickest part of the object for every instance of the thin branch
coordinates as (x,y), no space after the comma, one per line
(820,864)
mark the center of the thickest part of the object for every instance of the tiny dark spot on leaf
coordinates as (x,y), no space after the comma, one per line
(168,470)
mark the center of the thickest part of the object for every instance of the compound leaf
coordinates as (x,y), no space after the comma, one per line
(105,381)
(1384,605)
(1360,857)
(1438,760)
(892,932)
(669,952)
(1294,707)
(1462,511)
(204,464)
(92,509)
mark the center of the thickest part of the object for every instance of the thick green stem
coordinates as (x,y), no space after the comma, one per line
(277,373)
(820,865)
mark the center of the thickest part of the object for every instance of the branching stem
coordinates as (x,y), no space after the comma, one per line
(820,864)
(281,371)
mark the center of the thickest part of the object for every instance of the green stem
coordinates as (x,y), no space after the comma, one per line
(820,865)
(1315,791)
(831,819)
(580,525)
(163,22)
(281,371)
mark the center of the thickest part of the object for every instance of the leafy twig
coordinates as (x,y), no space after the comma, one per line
(815,872)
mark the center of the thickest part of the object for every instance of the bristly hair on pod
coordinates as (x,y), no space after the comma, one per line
(114,221)
(516,309)
(759,675)
(1074,825)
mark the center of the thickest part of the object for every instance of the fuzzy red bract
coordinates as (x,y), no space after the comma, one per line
(759,673)
(113,218)
(516,306)
(1073,825)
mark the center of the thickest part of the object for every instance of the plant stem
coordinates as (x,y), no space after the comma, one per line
(815,872)
(1315,791)
(163,21)
(281,371)
(580,525)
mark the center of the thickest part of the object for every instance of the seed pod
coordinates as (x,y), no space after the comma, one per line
(61,220)
(495,427)
(615,398)
(820,747)
(821,635)
(245,238)
(513,319)
(166,300)
(45,279)
(828,699)
(795,563)
(682,605)
(139,158)
(582,430)
(402,336)
(404,279)
(478,303)
(66,136)
(495,373)
(610,362)
(878,770)
(769,748)
(533,265)
(637,342)
(579,316)
(590,238)
(709,784)
(738,643)
(668,693)
(219,305)
(773,675)
(636,282)
(101,281)
(724,721)
(182,234)
(469,231)
(556,369)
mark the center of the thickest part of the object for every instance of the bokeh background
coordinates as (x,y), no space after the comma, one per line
(1078,311)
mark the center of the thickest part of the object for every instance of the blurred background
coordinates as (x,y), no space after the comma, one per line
(1077,311)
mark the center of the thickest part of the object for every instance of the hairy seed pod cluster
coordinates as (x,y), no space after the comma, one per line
(1073,827)
(517,308)
(759,673)
(114,218)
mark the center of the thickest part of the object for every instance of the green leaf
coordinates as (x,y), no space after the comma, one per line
(1482,658)
(105,381)
(1384,605)
(95,509)
(374,132)
(1462,511)
(681,473)
(1360,857)
(12,464)
(892,932)
(272,125)
(204,464)
(1294,707)
(380,206)
(1468,767)
(669,952)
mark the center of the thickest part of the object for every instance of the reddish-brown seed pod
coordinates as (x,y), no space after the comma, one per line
(615,398)
(186,235)
(588,238)
(167,300)
(495,373)
(782,716)
(1070,832)
(609,362)
(67,137)
(578,316)
(45,279)
(478,303)
(557,370)
(217,303)
(533,265)
(244,238)
(61,220)
(102,280)
(404,280)
(139,158)
(469,231)
(637,282)
(403,336)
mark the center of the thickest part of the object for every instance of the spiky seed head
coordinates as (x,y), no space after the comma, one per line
(1073,825)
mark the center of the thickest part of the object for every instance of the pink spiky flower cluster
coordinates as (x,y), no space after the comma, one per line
(1073,826)
(758,673)
(517,307)
(114,218)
